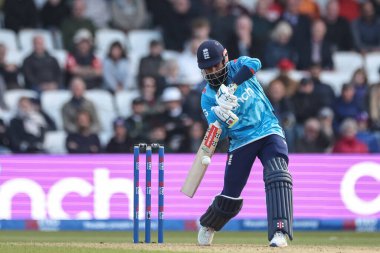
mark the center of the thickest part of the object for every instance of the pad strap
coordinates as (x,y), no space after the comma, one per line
(279,197)
(222,209)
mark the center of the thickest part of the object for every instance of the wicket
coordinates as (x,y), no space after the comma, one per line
(148,183)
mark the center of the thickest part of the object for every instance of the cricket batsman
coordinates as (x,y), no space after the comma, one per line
(248,120)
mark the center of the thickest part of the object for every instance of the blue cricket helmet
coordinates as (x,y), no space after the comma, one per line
(209,53)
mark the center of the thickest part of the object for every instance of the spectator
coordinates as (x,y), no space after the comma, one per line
(283,110)
(187,62)
(76,104)
(84,141)
(121,142)
(173,118)
(170,72)
(128,15)
(98,11)
(5,143)
(191,99)
(176,26)
(20,14)
(360,82)
(348,143)
(53,13)
(200,29)
(286,66)
(345,105)
(300,25)
(241,42)
(318,49)
(263,23)
(338,28)
(364,135)
(313,139)
(324,91)
(366,29)
(149,93)
(349,9)
(150,64)
(158,134)
(374,107)
(77,21)
(116,69)
(41,70)
(137,124)
(83,63)
(326,119)
(50,124)
(195,137)
(222,21)
(8,71)
(309,8)
(27,129)
(279,47)
(306,103)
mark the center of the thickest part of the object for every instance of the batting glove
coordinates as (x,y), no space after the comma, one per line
(225,98)
(226,116)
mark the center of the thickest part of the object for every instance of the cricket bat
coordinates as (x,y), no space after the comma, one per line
(198,169)
(204,154)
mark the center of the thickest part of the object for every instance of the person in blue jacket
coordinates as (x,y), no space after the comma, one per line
(247,118)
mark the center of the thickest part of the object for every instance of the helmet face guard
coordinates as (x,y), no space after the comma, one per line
(218,77)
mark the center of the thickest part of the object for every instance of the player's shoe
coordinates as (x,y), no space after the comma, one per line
(205,236)
(278,240)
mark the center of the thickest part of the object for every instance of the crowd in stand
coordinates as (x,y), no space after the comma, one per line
(286,35)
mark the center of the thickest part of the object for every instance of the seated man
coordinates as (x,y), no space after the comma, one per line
(40,69)
(78,103)
(82,62)
(84,141)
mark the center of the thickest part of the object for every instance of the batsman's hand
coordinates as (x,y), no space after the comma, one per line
(226,116)
(225,98)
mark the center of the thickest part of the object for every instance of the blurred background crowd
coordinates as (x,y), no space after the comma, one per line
(97,76)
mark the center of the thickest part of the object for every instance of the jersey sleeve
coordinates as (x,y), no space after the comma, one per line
(254,64)
(207,103)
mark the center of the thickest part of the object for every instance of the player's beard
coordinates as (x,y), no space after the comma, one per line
(216,78)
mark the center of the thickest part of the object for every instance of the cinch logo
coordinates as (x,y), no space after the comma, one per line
(248,92)
(347,188)
(206,54)
(49,205)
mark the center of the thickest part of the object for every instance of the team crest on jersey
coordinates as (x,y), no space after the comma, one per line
(204,90)
(206,54)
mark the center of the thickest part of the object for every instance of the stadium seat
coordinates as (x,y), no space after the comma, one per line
(170,54)
(347,62)
(297,75)
(138,41)
(14,57)
(372,63)
(55,142)
(266,76)
(105,107)
(105,37)
(61,56)
(335,79)
(11,97)
(9,39)
(52,102)
(123,101)
(26,36)
(105,137)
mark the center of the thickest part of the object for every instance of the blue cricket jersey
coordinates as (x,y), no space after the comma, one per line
(255,112)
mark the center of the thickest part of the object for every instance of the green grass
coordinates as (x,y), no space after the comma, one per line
(115,242)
